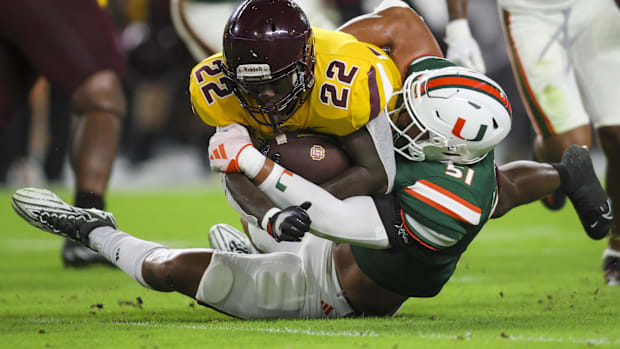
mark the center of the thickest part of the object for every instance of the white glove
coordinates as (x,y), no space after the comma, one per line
(226,145)
(462,48)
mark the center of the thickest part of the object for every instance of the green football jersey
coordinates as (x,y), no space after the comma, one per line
(443,206)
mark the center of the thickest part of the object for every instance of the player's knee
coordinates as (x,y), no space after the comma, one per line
(216,283)
(101,92)
(158,275)
(610,139)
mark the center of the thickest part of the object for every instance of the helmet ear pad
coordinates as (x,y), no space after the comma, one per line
(269,44)
(462,114)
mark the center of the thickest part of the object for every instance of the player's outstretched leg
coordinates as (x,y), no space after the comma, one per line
(584,190)
(45,210)
(97,230)
(224,237)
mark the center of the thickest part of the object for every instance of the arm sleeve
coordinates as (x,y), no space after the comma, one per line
(354,220)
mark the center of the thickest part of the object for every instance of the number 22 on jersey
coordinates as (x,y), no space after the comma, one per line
(212,88)
(337,70)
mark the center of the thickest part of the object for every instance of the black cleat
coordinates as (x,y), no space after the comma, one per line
(45,210)
(611,269)
(585,192)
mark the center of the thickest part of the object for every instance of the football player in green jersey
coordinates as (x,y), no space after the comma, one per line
(447,187)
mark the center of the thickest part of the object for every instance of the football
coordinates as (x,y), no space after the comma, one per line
(316,157)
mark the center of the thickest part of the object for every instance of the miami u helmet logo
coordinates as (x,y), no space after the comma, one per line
(458,127)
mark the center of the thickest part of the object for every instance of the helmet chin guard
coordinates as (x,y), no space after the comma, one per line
(450,114)
(269,51)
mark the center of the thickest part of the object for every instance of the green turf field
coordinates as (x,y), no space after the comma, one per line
(530,280)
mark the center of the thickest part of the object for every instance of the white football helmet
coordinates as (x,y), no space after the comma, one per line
(460,116)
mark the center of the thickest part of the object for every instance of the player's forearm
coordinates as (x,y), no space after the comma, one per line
(354,220)
(371,150)
(357,181)
(245,197)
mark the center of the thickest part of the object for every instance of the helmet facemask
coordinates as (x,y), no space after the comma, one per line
(272,99)
(269,59)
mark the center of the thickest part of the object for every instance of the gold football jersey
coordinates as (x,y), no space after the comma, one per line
(353,83)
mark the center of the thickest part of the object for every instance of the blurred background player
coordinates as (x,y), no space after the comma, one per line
(72,45)
(160,116)
(565,56)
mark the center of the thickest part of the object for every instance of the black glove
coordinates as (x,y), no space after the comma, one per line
(290,224)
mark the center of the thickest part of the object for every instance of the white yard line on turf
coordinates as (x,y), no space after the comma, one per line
(467,336)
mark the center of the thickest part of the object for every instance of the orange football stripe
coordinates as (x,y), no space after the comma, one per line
(436,205)
(451,195)
(477,84)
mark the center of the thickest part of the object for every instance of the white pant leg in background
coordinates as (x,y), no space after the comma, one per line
(537,42)
(596,56)
(566,63)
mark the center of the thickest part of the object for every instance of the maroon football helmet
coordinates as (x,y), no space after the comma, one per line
(269,51)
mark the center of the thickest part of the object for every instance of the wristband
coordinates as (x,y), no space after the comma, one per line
(265,222)
(250,161)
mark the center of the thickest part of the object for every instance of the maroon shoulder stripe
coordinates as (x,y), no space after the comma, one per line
(375,52)
(373,90)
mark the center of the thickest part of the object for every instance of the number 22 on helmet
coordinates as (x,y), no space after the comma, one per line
(269,52)
(450,114)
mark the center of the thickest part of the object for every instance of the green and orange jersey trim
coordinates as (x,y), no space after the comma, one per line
(431,199)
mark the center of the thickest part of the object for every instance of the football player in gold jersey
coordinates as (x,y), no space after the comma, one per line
(277,74)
